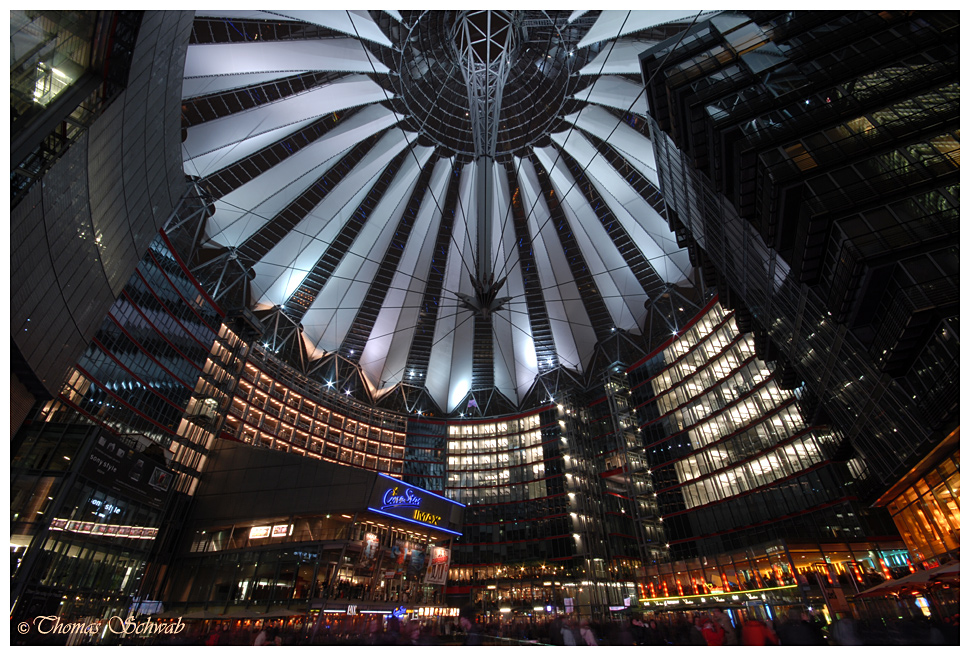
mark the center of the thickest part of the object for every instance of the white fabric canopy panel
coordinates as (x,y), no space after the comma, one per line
(385,355)
(340,55)
(635,148)
(235,128)
(353,101)
(356,23)
(571,329)
(613,23)
(620,57)
(622,292)
(280,273)
(450,364)
(647,228)
(206,85)
(338,302)
(617,92)
(246,209)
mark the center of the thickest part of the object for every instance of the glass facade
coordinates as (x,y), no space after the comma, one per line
(730,451)
(323,561)
(65,67)
(927,514)
(817,186)
(275,407)
(769,578)
(98,471)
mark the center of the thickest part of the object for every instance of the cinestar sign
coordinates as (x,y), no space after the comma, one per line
(415,505)
(394,499)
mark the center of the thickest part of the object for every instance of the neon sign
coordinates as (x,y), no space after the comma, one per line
(427,518)
(393,500)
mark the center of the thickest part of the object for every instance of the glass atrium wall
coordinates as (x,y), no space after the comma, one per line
(928,512)
(96,471)
(730,452)
(818,187)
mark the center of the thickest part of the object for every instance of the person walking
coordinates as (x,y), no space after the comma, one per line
(797,630)
(754,632)
(587,635)
(722,619)
(713,632)
(467,618)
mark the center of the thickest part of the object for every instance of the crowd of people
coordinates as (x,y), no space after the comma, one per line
(707,628)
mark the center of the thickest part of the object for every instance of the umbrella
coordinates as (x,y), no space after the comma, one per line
(920,579)
(949,573)
(202,615)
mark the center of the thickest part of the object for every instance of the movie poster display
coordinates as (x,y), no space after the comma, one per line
(417,561)
(438,567)
(369,552)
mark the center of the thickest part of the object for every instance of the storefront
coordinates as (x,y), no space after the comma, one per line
(330,538)
(768,579)
(925,505)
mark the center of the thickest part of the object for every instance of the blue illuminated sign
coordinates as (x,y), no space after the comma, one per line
(392,499)
(410,503)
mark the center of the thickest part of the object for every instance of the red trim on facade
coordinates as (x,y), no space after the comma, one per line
(145,351)
(710,416)
(704,310)
(169,313)
(727,437)
(684,381)
(188,274)
(774,447)
(158,332)
(134,375)
(87,414)
(188,304)
(124,403)
(702,340)
(488,420)
(704,391)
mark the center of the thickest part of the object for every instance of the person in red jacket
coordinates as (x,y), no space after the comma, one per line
(754,632)
(713,632)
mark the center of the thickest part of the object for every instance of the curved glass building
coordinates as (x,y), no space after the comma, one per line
(542,311)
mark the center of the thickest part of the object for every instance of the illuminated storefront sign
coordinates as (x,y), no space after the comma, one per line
(406,499)
(104,530)
(281,530)
(725,597)
(259,532)
(415,505)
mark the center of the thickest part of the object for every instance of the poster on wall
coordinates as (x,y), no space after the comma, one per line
(438,567)
(399,555)
(416,564)
(368,554)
